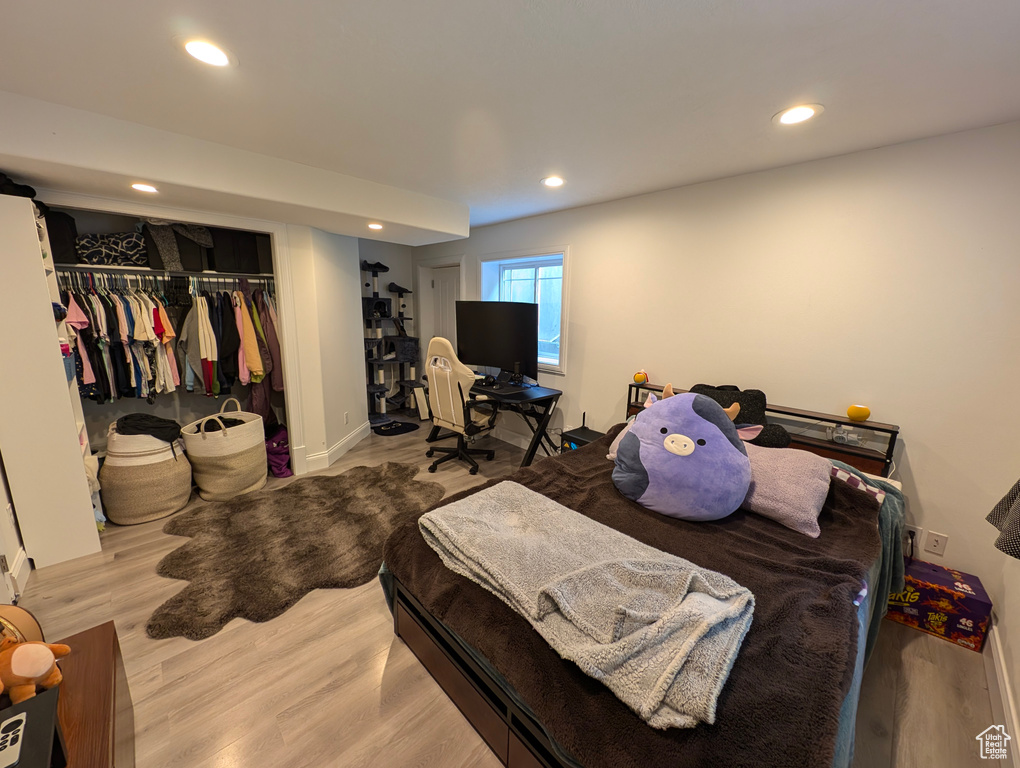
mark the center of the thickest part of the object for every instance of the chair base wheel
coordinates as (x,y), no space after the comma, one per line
(430,453)
(432,469)
(473,471)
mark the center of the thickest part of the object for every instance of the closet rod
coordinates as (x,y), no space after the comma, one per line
(161,272)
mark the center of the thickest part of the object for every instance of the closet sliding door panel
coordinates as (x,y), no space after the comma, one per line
(38,433)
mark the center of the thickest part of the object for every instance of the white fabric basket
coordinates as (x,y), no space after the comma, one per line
(143,478)
(230,461)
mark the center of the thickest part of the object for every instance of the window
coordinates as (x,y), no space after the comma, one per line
(536,279)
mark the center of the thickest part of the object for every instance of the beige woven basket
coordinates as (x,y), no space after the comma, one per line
(230,461)
(143,478)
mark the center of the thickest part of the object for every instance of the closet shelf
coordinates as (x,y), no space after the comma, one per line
(143,271)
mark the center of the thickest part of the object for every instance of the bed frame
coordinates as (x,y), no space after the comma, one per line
(513,735)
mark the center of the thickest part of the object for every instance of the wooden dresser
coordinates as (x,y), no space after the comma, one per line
(94,708)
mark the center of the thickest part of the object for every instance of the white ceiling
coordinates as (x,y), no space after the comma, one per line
(474,101)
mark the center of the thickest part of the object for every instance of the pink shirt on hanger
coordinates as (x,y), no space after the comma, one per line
(78,320)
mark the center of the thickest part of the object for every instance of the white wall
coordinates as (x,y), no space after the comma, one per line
(399,259)
(329,355)
(887,277)
(337,281)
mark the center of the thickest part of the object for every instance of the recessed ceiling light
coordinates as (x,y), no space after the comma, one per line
(798,114)
(375,226)
(207,52)
(553,181)
(144,188)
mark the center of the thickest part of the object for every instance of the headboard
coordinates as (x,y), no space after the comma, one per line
(876,462)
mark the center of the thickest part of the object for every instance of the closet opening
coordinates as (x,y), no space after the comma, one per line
(170,319)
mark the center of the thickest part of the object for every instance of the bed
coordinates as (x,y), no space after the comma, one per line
(792,694)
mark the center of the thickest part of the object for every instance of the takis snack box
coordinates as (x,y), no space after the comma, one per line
(943,602)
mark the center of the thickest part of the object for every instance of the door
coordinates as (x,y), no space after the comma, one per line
(445,293)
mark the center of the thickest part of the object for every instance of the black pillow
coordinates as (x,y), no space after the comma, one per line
(752,411)
(752,401)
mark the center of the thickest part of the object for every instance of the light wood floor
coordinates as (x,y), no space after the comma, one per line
(327,684)
(923,700)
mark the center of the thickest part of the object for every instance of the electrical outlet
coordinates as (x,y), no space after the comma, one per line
(918,538)
(936,543)
(347,417)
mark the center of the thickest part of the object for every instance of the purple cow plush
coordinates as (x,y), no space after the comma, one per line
(682,457)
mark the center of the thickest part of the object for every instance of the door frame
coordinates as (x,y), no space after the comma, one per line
(423,290)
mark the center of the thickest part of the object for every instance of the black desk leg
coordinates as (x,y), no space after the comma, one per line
(536,439)
(536,414)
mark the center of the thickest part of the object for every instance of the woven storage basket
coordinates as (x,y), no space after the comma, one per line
(230,461)
(143,478)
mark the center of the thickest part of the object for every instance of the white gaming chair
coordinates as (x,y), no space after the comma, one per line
(453,407)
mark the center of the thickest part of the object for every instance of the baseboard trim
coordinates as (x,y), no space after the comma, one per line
(298,461)
(315,461)
(1000,691)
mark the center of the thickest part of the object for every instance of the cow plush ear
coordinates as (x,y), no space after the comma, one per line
(651,400)
(747,434)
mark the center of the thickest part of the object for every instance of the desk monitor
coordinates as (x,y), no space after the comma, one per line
(499,334)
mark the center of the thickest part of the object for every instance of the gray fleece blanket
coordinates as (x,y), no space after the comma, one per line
(657,630)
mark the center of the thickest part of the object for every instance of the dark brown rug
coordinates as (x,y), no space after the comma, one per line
(257,555)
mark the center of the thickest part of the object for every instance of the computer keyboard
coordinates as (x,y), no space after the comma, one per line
(502,389)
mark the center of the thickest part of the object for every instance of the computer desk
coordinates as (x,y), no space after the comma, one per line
(535,403)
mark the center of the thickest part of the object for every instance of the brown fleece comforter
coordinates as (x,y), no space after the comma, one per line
(780,706)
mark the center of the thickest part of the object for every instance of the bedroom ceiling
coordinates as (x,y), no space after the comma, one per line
(475,101)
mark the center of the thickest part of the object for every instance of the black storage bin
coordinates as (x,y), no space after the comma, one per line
(234,251)
(63,233)
(194,257)
(264,246)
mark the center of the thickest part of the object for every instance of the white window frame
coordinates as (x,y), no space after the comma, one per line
(491,270)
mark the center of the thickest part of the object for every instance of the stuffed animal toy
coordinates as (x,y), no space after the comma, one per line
(682,457)
(23,666)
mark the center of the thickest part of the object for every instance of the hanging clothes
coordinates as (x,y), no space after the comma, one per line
(189,348)
(260,337)
(252,357)
(146,336)
(230,339)
(207,347)
(272,339)
(77,320)
(242,367)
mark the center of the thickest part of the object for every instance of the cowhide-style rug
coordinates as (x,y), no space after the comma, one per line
(257,555)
